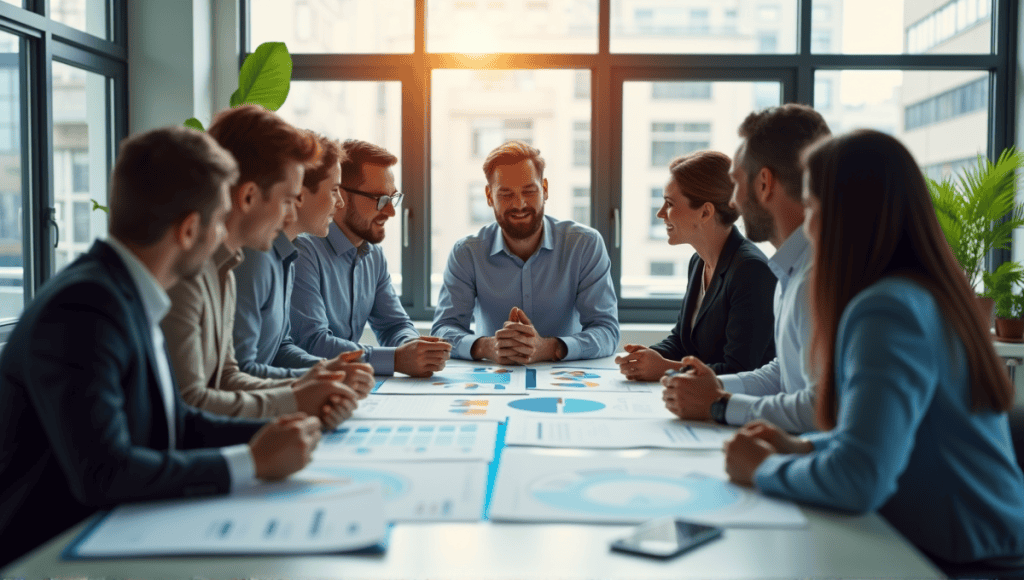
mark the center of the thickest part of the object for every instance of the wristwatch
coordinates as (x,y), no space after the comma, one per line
(718,410)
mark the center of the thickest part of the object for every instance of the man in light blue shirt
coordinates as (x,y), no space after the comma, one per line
(262,329)
(342,280)
(538,289)
(768,177)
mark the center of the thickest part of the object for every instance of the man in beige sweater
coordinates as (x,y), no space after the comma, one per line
(271,156)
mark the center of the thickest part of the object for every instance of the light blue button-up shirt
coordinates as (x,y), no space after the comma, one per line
(565,288)
(338,289)
(907,441)
(262,331)
(782,391)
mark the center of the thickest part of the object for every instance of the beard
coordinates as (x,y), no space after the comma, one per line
(757,222)
(361,226)
(520,230)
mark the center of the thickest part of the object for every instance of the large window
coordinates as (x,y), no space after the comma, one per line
(62,110)
(610,99)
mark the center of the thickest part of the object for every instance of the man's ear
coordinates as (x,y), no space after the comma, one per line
(187,231)
(707,211)
(304,192)
(765,185)
(487,192)
(245,196)
(544,184)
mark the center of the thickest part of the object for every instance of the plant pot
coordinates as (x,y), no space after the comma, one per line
(1009,328)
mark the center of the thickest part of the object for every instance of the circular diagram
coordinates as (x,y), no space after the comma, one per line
(643,494)
(556,405)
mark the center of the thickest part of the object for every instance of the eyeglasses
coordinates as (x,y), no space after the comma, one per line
(382,200)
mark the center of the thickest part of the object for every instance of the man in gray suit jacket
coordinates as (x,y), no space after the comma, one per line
(89,413)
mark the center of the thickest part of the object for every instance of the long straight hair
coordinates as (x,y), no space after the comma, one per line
(877,220)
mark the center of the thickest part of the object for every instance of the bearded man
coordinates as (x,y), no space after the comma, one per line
(342,281)
(537,288)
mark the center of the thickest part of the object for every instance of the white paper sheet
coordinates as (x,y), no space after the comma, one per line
(296,516)
(622,434)
(396,440)
(429,407)
(546,485)
(548,404)
(583,378)
(420,490)
(460,380)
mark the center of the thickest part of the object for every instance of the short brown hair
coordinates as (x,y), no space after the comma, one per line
(511,153)
(262,143)
(161,177)
(330,153)
(359,153)
(775,138)
(703,177)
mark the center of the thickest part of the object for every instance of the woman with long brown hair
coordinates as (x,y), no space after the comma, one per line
(912,397)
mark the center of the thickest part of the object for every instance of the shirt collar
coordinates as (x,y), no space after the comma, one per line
(338,241)
(285,249)
(226,260)
(154,298)
(547,240)
(789,253)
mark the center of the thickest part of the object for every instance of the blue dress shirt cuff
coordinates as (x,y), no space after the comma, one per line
(738,409)
(382,358)
(765,473)
(464,349)
(241,467)
(732,384)
(572,348)
(820,439)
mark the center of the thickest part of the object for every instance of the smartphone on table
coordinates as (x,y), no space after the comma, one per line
(665,538)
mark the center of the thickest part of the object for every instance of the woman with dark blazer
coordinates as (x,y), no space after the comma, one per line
(727,319)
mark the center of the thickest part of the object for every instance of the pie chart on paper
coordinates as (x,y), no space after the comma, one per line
(557,405)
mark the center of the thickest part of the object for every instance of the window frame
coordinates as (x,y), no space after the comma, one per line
(608,72)
(43,42)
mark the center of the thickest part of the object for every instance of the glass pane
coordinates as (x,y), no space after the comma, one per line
(474,111)
(481,26)
(80,145)
(12,293)
(367,110)
(19,3)
(343,26)
(85,15)
(704,26)
(941,116)
(661,121)
(902,26)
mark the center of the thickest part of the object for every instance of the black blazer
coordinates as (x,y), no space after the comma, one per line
(735,325)
(82,422)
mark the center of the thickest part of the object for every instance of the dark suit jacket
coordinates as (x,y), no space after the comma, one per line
(82,422)
(735,325)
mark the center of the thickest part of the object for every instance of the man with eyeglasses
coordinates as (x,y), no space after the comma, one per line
(539,289)
(342,281)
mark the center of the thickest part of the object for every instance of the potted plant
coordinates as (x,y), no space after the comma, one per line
(977,213)
(1000,286)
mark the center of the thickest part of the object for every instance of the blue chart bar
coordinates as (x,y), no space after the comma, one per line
(318,518)
(270,529)
(225,529)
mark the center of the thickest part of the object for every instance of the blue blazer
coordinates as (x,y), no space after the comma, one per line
(82,424)
(736,320)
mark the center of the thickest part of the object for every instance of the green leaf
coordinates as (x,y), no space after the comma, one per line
(96,206)
(194,123)
(265,77)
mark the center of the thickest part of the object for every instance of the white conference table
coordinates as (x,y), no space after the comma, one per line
(831,545)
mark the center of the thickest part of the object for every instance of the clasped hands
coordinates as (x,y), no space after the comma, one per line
(331,388)
(518,342)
